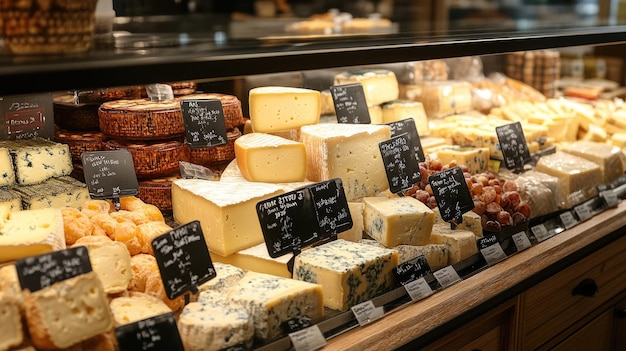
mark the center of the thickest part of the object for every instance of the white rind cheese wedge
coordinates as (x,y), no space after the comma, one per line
(29,233)
(397,221)
(275,109)
(379,86)
(111,262)
(348,272)
(256,258)
(226,211)
(38,159)
(7,173)
(462,243)
(274,300)
(215,326)
(272,159)
(436,254)
(349,152)
(137,307)
(67,312)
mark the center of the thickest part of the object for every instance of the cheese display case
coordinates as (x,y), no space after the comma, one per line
(559,224)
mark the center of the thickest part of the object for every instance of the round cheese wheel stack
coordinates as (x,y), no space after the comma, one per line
(70,115)
(153,159)
(80,142)
(207,156)
(233,115)
(141,119)
(157,191)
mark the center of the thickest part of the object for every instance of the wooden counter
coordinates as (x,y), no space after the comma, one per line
(432,318)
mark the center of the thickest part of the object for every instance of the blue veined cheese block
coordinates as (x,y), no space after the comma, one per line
(38,159)
(348,272)
(274,300)
(226,276)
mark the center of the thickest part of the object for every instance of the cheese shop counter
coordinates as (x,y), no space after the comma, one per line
(417,324)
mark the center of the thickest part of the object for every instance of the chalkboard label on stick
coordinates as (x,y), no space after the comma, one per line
(110,174)
(155,333)
(331,207)
(183,259)
(401,164)
(204,122)
(513,145)
(288,222)
(350,104)
(408,126)
(412,270)
(39,272)
(451,193)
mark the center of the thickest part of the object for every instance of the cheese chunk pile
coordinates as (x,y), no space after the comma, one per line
(348,272)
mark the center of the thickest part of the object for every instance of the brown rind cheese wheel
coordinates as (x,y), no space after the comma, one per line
(157,192)
(218,154)
(233,115)
(141,119)
(75,117)
(80,142)
(153,159)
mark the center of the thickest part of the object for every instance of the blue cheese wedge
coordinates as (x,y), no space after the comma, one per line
(7,173)
(53,193)
(226,276)
(38,159)
(274,300)
(436,254)
(10,199)
(348,272)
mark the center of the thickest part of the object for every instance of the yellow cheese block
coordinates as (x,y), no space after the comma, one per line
(462,243)
(274,108)
(11,333)
(379,86)
(608,157)
(476,159)
(471,221)
(226,211)
(29,233)
(401,109)
(356,232)
(256,258)
(130,309)
(268,158)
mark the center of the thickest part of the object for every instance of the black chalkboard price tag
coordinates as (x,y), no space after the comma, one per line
(350,103)
(408,126)
(39,272)
(331,207)
(288,222)
(513,145)
(452,194)
(400,162)
(204,122)
(110,174)
(152,334)
(183,259)
(412,270)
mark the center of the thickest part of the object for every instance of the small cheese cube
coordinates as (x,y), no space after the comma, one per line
(608,157)
(7,174)
(578,177)
(356,232)
(38,159)
(349,152)
(274,300)
(138,306)
(436,254)
(111,262)
(476,159)
(29,233)
(471,221)
(379,86)
(396,221)
(226,211)
(349,273)
(256,258)
(401,109)
(462,243)
(67,312)
(268,158)
(274,109)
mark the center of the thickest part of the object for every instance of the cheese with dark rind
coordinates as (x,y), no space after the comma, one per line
(157,191)
(74,116)
(141,119)
(153,159)
(80,142)
(216,154)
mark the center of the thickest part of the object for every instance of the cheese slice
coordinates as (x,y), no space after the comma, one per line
(349,152)
(461,243)
(268,158)
(11,333)
(53,193)
(67,312)
(274,300)
(7,173)
(38,159)
(212,326)
(436,254)
(226,211)
(395,221)
(137,307)
(349,273)
(29,233)
(608,157)
(111,262)
(226,276)
(256,258)
(358,225)
(275,108)
(401,109)
(379,86)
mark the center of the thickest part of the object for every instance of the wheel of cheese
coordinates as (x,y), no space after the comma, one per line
(233,115)
(217,154)
(183,88)
(99,96)
(141,119)
(73,116)
(80,142)
(153,159)
(157,192)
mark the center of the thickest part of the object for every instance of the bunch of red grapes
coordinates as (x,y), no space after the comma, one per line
(498,202)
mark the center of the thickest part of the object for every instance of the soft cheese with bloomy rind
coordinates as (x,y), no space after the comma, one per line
(38,159)
(436,254)
(462,243)
(212,326)
(29,233)
(348,272)
(396,221)
(349,152)
(67,312)
(274,300)
(111,262)
(268,158)
(226,211)
(274,108)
